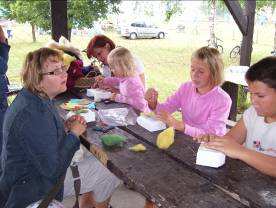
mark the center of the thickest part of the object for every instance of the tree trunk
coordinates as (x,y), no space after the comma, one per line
(136,8)
(69,33)
(275,38)
(212,41)
(33,32)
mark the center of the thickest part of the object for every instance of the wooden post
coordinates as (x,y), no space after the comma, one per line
(59,19)
(245,22)
(246,47)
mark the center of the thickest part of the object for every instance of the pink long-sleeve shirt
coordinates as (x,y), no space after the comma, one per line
(202,114)
(132,91)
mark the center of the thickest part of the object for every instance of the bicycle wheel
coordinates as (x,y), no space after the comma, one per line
(235,52)
(220,48)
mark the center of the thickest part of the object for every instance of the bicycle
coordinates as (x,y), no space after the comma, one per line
(216,44)
(235,52)
(273,53)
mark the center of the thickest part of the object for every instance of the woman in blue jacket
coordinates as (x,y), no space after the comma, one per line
(37,149)
(4,54)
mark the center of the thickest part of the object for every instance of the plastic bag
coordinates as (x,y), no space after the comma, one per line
(118,116)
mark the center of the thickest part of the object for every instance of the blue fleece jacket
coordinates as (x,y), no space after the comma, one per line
(36,150)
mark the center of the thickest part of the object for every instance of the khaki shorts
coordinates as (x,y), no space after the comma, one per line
(95,177)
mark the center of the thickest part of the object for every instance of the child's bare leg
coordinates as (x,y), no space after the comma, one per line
(87,201)
(103,204)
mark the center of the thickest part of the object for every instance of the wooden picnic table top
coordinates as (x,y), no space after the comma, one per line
(239,179)
(158,177)
(170,178)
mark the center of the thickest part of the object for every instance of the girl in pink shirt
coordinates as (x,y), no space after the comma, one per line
(131,89)
(204,105)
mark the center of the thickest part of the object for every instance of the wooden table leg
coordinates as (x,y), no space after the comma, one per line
(149,204)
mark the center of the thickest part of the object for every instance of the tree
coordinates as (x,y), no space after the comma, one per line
(217,4)
(212,23)
(34,12)
(272,4)
(172,8)
(81,13)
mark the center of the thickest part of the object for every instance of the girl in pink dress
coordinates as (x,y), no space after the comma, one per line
(130,87)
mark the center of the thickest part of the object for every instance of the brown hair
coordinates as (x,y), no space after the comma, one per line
(98,41)
(31,74)
(212,57)
(122,58)
(263,71)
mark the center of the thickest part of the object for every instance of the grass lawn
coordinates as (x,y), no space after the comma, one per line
(166,61)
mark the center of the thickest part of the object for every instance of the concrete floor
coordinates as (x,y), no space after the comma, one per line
(122,198)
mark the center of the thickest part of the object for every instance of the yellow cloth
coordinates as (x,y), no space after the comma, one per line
(138,148)
(67,59)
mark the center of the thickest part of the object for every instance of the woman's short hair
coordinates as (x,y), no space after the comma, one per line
(122,58)
(263,71)
(98,41)
(212,57)
(31,75)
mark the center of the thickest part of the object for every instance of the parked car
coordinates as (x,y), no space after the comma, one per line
(142,30)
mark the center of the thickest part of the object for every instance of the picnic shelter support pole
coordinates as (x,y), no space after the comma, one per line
(246,47)
(59,19)
(245,21)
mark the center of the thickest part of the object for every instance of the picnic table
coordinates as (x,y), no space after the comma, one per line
(13,89)
(170,178)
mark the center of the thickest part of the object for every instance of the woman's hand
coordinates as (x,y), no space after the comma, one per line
(151,96)
(170,120)
(76,124)
(226,145)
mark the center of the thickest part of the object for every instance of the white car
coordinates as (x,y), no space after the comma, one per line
(142,30)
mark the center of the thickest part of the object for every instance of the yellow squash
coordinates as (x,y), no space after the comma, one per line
(165,139)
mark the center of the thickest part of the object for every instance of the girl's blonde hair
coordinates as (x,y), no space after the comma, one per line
(211,56)
(121,58)
(31,75)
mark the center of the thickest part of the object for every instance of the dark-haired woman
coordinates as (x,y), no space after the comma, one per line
(100,46)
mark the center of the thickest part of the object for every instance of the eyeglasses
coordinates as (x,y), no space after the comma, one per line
(56,72)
